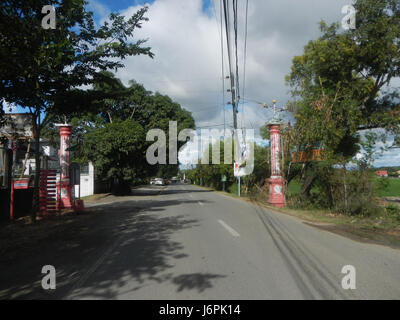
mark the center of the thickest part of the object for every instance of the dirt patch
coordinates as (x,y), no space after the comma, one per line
(98,197)
(390,238)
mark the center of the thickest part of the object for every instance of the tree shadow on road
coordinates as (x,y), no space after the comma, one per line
(120,249)
(197,281)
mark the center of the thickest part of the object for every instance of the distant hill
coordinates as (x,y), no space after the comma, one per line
(392,171)
(389,169)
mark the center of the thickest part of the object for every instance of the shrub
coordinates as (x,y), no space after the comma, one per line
(393,211)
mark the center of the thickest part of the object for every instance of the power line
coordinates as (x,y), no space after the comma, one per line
(187,80)
(214,125)
(235,27)
(222,65)
(232,78)
(244,61)
(222,53)
(203,110)
(254,101)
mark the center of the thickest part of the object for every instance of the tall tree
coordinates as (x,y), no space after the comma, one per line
(42,69)
(118,152)
(342,82)
(123,109)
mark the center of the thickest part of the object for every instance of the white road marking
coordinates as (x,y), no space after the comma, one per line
(231,230)
(200,203)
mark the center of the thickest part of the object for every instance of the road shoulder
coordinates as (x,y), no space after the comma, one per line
(366,230)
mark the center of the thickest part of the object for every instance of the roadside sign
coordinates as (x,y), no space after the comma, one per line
(239,171)
(16,184)
(21,184)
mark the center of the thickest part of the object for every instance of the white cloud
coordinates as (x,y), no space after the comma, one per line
(100,10)
(187,63)
(10,107)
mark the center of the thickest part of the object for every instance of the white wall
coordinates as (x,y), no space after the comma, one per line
(87,183)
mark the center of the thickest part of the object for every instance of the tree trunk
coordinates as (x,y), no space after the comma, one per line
(35,199)
(307,185)
(345,187)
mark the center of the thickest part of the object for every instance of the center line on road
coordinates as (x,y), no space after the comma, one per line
(231,230)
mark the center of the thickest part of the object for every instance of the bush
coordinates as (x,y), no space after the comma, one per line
(393,211)
(121,187)
(233,188)
(351,192)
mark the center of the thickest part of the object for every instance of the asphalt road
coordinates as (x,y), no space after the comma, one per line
(185,242)
(203,245)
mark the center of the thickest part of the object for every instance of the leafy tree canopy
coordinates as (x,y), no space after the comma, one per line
(42,69)
(341,82)
(125,109)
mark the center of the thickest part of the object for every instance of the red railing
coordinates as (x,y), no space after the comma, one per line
(48,193)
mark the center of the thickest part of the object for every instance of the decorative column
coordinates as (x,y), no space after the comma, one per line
(275,182)
(64,185)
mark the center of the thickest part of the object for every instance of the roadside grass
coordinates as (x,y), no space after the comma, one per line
(295,186)
(96,197)
(383,221)
(392,190)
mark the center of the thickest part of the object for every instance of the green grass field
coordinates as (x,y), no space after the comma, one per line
(294,187)
(393,189)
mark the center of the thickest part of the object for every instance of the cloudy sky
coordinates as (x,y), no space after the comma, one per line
(185,38)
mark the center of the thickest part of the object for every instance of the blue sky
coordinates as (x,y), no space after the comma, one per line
(116,5)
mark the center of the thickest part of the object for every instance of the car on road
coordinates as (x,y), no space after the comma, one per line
(159,181)
(174,180)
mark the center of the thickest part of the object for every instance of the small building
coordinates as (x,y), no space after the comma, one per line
(381,173)
(21,164)
(86,187)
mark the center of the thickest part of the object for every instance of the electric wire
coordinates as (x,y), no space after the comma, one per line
(244,62)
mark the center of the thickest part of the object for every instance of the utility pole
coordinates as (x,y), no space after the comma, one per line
(235,111)
(234,88)
(234,134)
(234,105)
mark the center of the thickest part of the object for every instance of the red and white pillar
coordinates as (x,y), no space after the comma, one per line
(275,182)
(64,185)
